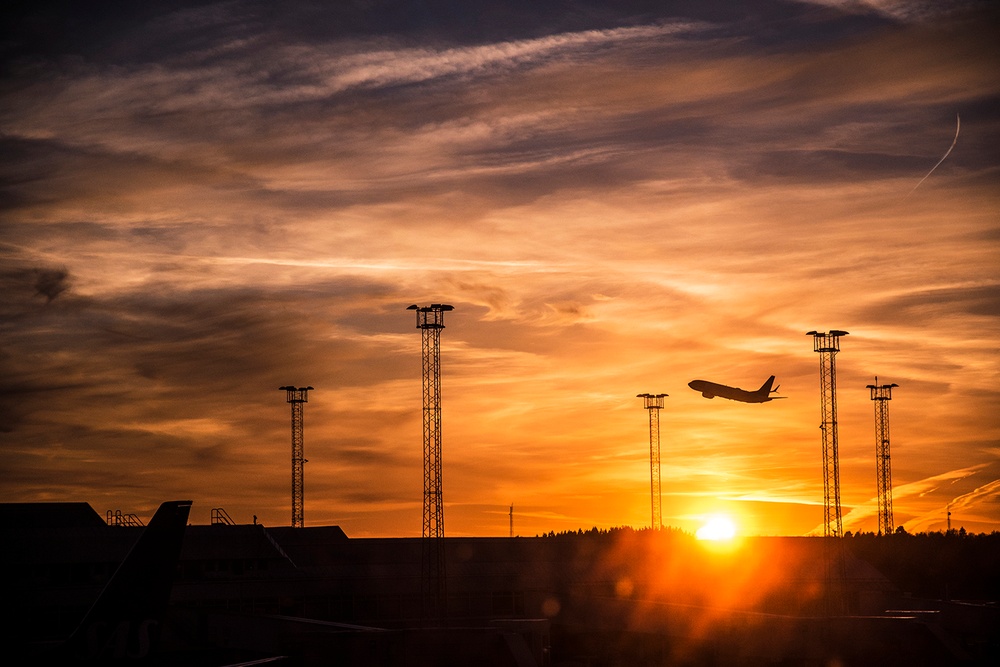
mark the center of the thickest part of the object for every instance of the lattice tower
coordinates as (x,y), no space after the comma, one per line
(653,404)
(430,320)
(297,396)
(828,345)
(881,395)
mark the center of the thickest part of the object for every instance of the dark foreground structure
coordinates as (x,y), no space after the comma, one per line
(312,596)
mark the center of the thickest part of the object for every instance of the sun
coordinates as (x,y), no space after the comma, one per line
(717,529)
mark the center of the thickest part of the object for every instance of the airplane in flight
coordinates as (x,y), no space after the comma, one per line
(711,390)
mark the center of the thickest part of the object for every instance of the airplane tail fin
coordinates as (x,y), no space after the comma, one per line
(772,391)
(765,388)
(124,622)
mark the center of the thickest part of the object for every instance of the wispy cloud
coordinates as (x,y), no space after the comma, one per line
(862,514)
(907,10)
(411,65)
(974,505)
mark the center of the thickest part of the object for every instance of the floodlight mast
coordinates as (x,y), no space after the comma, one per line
(654,403)
(296,396)
(430,320)
(881,395)
(828,345)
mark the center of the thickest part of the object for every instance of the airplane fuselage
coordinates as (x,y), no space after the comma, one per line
(712,389)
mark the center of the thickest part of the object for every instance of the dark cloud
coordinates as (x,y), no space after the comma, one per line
(167,341)
(16,285)
(366,454)
(917,308)
(51,283)
(125,33)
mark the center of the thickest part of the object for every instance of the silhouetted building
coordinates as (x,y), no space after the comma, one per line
(619,597)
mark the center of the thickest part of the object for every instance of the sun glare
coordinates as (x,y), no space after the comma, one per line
(717,529)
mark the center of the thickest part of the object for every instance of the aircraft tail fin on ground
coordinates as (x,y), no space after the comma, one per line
(124,622)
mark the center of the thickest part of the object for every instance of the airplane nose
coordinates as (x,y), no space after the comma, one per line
(691,384)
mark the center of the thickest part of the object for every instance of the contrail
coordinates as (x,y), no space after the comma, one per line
(958,126)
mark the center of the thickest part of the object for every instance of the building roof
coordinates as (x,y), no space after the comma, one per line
(16,516)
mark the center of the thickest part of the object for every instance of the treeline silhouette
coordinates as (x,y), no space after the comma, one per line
(615,531)
(941,565)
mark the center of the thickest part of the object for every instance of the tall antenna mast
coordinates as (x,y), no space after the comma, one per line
(654,403)
(430,320)
(297,396)
(828,345)
(881,395)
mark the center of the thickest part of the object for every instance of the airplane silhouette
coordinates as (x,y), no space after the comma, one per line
(711,390)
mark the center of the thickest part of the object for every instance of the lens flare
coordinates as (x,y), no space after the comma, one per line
(717,529)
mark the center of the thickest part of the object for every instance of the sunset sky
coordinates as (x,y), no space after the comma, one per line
(201,202)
